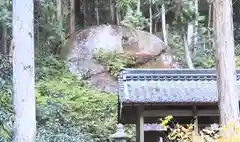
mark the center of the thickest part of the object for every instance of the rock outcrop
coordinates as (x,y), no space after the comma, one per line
(111,38)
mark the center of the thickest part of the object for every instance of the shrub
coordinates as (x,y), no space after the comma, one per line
(186,133)
(67,110)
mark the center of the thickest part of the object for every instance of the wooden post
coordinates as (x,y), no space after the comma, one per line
(195,134)
(140,124)
(195,115)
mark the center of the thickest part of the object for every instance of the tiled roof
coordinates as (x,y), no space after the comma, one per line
(169,85)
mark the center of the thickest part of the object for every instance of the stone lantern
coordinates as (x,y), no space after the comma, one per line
(120,135)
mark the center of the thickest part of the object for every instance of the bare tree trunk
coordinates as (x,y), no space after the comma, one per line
(4,39)
(85,11)
(204,43)
(209,20)
(59,11)
(72,18)
(195,26)
(138,5)
(92,11)
(60,20)
(72,24)
(155,27)
(150,16)
(164,31)
(187,52)
(24,72)
(190,35)
(118,14)
(97,11)
(111,6)
(10,53)
(226,70)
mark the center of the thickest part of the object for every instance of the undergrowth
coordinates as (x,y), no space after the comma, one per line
(186,133)
(67,110)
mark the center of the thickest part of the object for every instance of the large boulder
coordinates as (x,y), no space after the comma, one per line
(117,39)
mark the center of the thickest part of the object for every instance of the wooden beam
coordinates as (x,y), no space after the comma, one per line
(183,112)
(195,115)
(168,104)
(140,125)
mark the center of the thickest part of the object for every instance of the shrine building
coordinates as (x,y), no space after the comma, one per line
(146,95)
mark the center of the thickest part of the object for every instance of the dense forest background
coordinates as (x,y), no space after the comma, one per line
(67,109)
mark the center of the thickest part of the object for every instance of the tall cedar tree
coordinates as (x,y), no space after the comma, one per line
(225,57)
(23,71)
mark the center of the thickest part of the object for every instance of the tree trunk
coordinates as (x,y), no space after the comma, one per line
(4,39)
(150,16)
(85,12)
(23,72)
(226,70)
(72,18)
(111,6)
(97,11)
(138,5)
(92,11)
(187,52)
(195,38)
(164,31)
(60,21)
(118,14)
(10,53)
(59,11)
(190,35)
(155,27)
(37,27)
(209,21)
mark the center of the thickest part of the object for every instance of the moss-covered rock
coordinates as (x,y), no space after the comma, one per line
(122,43)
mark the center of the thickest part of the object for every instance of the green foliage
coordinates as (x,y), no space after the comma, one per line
(204,61)
(48,67)
(5,14)
(49,31)
(112,61)
(237,33)
(67,110)
(238,61)
(186,133)
(125,4)
(6,115)
(185,13)
(203,56)
(92,111)
(176,43)
(134,19)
